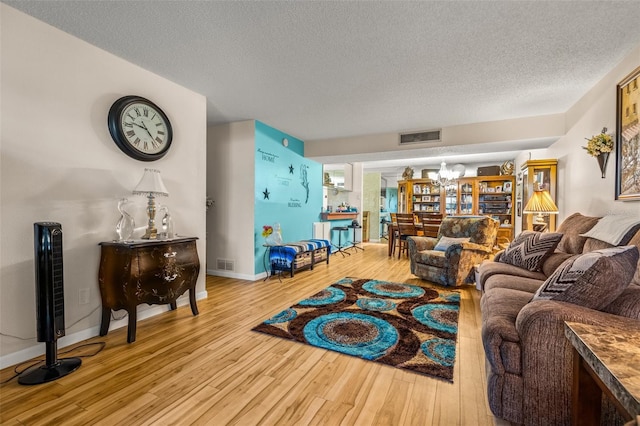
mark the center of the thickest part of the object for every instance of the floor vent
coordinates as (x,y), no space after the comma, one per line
(418,137)
(225,265)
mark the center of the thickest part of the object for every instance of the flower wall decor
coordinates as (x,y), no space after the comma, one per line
(600,146)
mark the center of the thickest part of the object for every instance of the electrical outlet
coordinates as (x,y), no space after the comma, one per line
(83,296)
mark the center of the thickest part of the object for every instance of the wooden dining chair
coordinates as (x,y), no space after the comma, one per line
(392,232)
(406,227)
(431,224)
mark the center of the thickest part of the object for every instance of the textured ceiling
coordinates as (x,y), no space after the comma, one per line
(334,69)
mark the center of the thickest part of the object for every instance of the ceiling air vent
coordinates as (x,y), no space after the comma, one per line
(426,136)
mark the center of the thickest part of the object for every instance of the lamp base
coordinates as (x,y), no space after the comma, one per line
(150,234)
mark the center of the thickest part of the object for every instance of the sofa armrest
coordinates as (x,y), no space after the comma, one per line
(462,258)
(547,368)
(477,247)
(421,243)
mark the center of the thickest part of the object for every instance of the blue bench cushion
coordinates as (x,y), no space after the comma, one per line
(282,256)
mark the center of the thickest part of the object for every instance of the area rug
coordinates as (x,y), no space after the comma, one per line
(402,325)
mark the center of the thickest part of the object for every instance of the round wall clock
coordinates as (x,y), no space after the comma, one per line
(140,128)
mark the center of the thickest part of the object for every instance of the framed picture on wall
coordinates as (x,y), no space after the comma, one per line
(519,208)
(628,138)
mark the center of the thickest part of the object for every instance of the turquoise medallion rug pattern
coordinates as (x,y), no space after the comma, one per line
(402,325)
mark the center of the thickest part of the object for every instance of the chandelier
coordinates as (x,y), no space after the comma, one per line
(444,176)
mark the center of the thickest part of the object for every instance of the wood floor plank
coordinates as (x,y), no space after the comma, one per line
(213,369)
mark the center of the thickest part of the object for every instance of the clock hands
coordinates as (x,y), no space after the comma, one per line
(143,127)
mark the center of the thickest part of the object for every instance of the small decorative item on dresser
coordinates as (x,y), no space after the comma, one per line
(600,146)
(126,224)
(166,223)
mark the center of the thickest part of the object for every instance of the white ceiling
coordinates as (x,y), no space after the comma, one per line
(320,69)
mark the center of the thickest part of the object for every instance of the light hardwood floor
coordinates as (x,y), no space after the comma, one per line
(213,370)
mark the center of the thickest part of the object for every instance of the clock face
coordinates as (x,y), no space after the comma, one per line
(140,128)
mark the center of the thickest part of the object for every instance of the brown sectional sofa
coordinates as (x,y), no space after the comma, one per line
(529,359)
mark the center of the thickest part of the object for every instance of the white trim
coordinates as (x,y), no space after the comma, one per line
(39,349)
(228,274)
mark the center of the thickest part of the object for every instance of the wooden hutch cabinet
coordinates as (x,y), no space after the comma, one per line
(495,199)
(426,197)
(538,173)
(482,195)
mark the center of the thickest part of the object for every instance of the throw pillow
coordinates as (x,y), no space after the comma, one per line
(529,249)
(593,279)
(445,242)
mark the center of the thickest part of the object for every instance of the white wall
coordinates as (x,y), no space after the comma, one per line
(580,185)
(59,163)
(230,182)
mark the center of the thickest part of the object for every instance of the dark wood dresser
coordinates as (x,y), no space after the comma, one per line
(155,272)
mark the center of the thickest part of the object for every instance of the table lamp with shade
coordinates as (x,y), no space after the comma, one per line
(540,204)
(151,185)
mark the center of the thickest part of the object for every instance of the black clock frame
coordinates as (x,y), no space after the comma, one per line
(114,123)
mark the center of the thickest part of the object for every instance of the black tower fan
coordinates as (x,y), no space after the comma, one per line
(49,305)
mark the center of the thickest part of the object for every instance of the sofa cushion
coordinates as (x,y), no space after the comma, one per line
(445,242)
(571,228)
(529,285)
(635,241)
(627,304)
(490,268)
(552,262)
(435,258)
(593,279)
(529,249)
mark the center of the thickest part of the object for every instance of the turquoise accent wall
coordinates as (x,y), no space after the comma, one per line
(392,200)
(288,189)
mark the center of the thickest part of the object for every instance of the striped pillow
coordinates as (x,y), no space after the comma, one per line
(529,249)
(593,279)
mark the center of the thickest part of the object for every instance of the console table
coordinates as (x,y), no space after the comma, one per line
(146,271)
(605,360)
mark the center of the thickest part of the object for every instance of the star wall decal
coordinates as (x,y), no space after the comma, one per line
(266,193)
(291,169)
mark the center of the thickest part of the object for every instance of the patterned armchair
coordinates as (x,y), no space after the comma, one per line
(449,262)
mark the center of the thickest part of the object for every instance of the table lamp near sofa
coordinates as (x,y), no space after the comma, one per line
(540,204)
(151,185)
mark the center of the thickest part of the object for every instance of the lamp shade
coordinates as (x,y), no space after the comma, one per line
(541,202)
(151,183)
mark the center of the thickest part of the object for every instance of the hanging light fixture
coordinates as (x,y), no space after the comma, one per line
(444,176)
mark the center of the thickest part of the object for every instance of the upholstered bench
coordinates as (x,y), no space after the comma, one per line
(298,255)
